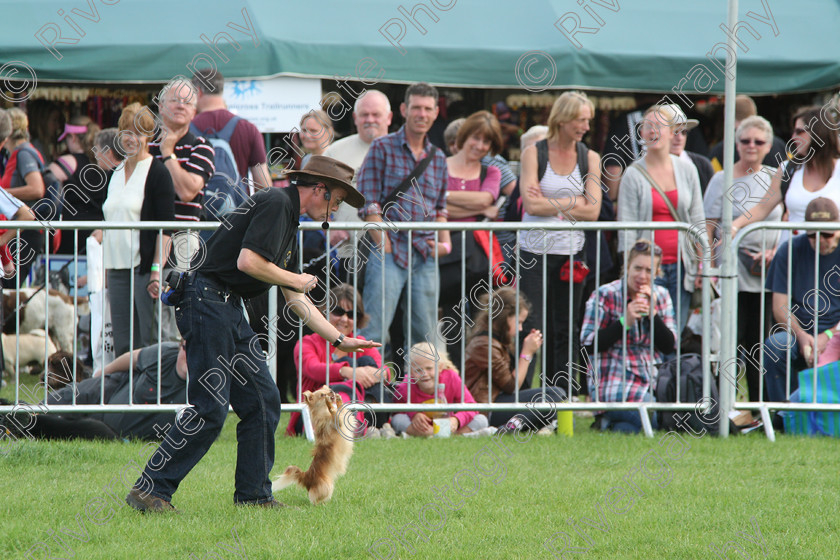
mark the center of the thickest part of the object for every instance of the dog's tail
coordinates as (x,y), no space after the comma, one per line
(292,475)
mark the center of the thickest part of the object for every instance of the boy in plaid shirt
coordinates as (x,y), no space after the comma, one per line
(627,373)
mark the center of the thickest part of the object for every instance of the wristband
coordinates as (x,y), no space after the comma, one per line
(623,323)
(829,333)
(447,246)
(155,267)
(525,357)
(338,341)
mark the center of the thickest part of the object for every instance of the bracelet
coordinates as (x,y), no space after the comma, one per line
(447,246)
(525,357)
(829,333)
(155,267)
(338,341)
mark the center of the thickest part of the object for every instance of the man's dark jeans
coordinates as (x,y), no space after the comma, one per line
(226,367)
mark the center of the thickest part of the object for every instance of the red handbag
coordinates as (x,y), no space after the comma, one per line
(578,275)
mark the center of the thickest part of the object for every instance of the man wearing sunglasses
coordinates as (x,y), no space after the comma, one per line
(251,251)
(808,302)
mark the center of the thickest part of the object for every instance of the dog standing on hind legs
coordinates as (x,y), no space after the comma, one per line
(335,428)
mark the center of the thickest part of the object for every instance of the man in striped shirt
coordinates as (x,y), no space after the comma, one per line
(189,158)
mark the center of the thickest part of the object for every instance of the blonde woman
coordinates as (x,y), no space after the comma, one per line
(316,133)
(660,187)
(562,194)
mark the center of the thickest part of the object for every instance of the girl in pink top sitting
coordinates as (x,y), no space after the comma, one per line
(315,357)
(424,359)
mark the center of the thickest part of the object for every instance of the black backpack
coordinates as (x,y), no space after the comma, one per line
(691,391)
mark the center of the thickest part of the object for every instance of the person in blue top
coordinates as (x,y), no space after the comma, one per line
(809,302)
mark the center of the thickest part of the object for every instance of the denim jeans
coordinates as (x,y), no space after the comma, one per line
(424,285)
(676,289)
(627,421)
(226,367)
(775,365)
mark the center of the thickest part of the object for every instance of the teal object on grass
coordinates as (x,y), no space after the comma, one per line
(828,392)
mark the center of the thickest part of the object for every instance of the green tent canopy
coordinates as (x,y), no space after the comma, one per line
(648,45)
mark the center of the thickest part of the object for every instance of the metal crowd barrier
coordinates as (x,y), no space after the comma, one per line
(728,386)
(687,231)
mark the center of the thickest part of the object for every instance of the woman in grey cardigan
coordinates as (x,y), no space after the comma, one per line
(639,200)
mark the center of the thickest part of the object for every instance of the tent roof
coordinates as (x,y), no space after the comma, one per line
(647,47)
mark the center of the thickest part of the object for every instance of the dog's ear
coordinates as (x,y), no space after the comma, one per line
(307,396)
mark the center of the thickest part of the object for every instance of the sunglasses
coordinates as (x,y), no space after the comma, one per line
(644,247)
(339,312)
(748,141)
(823,234)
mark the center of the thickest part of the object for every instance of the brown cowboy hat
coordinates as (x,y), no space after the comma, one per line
(332,173)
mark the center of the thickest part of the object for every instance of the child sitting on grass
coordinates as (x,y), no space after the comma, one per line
(424,359)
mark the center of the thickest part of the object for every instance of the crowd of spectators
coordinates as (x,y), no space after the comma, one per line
(493,307)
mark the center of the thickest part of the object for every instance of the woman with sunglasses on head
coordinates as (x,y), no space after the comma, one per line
(660,187)
(627,373)
(85,192)
(813,171)
(323,364)
(753,140)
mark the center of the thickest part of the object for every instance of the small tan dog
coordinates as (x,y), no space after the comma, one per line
(334,429)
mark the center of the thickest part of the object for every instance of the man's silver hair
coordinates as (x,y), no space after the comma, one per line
(371,92)
(180,83)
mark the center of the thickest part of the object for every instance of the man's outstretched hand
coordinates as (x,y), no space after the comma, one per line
(353,344)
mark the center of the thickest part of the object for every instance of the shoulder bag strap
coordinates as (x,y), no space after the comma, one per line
(415,173)
(647,176)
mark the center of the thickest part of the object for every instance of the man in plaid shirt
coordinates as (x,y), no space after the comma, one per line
(390,160)
(615,379)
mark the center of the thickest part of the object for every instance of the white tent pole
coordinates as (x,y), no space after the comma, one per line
(729,271)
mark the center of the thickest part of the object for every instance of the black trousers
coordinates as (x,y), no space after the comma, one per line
(562,318)
(752,331)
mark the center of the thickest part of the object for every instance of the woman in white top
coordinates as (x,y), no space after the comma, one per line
(560,195)
(753,140)
(815,145)
(140,189)
(639,200)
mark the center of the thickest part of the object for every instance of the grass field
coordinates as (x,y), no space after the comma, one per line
(678,498)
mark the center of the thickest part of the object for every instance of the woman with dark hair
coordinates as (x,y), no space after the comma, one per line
(320,363)
(813,172)
(625,373)
(83,188)
(499,381)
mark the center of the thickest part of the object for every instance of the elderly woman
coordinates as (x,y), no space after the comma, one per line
(316,133)
(83,190)
(139,190)
(753,140)
(660,187)
(626,373)
(561,195)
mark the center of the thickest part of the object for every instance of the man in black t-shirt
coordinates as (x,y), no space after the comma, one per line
(252,249)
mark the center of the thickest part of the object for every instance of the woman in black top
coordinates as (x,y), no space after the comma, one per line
(83,185)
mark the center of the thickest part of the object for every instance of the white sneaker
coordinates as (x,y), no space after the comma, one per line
(387,432)
(488,431)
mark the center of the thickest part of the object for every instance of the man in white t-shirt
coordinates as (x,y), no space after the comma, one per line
(372,115)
